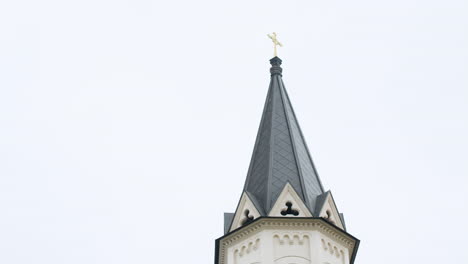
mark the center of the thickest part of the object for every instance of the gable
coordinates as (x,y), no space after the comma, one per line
(245,213)
(328,210)
(289,204)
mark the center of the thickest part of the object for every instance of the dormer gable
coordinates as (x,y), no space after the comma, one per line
(289,204)
(326,208)
(245,213)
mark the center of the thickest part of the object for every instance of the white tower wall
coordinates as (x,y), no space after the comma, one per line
(287,241)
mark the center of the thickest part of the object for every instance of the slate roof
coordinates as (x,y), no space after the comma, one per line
(228,217)
(280,154)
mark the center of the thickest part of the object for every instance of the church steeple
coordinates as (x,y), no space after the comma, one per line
(280,154)
(284,214)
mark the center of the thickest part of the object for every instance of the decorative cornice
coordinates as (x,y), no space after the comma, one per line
(308,223)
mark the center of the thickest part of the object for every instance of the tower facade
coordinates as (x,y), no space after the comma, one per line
(284,215)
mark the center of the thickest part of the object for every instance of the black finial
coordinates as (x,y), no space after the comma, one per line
(276,66)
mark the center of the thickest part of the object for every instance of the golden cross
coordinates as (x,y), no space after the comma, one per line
(275,41)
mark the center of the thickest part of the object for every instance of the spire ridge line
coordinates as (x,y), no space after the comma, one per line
(301,178)
(303,140)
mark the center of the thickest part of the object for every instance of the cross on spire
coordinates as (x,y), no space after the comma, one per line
(275,42)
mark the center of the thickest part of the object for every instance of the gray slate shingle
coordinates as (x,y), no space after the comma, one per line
(280,153)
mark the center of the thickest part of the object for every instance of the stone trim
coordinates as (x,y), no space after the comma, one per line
(310,224)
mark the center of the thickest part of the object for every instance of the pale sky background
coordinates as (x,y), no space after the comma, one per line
(127,127)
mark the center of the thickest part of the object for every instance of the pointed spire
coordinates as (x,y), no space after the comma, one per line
(280,153)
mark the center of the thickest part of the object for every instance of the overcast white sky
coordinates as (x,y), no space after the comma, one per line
(126,127)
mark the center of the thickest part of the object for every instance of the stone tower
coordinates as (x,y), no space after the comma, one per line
(284,216)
